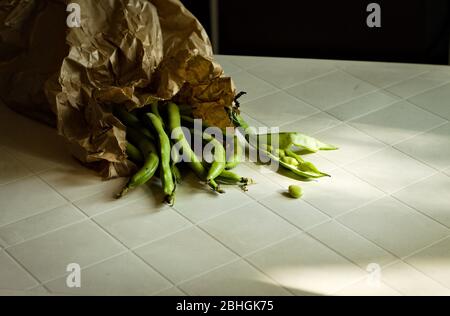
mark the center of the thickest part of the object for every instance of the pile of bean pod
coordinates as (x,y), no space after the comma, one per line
(155,130)
(150,147)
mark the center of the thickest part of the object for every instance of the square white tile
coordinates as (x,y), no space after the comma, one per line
(122,275)
(26,197)
(139,222)
(434,100)
(295,211)
(10,168)
(389,170)
(416,85)
(197,202)
(312,124)
(434,261)
(432,147)
(394,226)
(249,228)
(362,105)
(397,122)
(39,224)
(340,193)
(285,72)
(331,89)
(430,196)
(75,182)
(353,144)
(13,276)
(278,108)
(408,281)
(383,74)
(236,279)
(254,87)
(47,257)
(351,245)
(185,254)
(306,267)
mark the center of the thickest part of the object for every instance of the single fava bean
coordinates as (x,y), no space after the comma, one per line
(295,191)
(280,153)
(290,161)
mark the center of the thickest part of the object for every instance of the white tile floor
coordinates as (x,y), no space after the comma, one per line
(379,226)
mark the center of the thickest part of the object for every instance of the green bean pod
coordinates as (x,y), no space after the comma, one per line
(218,165)
(155,110)
(235,159)
(134,154)
(164,146)
(228,177)
(150,165)
(177,133)
(130,120)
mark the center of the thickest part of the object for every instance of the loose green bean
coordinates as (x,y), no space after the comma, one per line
(295,191)
(164,146)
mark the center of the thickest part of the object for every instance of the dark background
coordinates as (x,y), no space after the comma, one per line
(416,31)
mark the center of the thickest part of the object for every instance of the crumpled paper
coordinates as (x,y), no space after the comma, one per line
(125,52)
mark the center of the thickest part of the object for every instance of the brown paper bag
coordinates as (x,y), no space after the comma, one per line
(127,52)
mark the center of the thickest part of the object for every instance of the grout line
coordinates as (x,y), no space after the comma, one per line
(46,233)
(383,87)
(406,98)
(403,258)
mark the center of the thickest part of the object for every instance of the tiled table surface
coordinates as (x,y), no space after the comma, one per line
(386,206)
